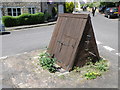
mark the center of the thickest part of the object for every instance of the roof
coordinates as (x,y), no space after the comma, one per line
(31,0)
(21,0)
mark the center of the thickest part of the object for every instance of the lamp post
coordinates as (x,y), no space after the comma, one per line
(60,7)
(2,28)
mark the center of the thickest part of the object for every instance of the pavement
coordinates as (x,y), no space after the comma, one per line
(21,57)
(24,71)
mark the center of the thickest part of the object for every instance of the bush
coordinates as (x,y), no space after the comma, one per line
(47,16)
(10,21)
(69,7)
(24,19)
(54,11)
(27,19)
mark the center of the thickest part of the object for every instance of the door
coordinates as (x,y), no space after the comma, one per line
(67,41)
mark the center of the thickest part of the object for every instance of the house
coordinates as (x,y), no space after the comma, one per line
(18,8)
(14,8)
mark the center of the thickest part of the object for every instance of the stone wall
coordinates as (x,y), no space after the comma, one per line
(23,5)
(44,6)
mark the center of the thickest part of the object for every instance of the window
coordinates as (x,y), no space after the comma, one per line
(31,10)
(10,11)
(14,11)
(19,11)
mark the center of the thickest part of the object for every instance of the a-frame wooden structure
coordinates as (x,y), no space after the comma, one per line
(73,41)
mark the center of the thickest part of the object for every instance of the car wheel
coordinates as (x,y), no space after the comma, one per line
(118,15)
(105,15)
(109,16)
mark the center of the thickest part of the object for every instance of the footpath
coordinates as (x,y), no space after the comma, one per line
(24,71)
(8,29)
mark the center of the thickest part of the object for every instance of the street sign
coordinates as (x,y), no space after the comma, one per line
(73,41)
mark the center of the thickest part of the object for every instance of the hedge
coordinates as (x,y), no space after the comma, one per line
(24,19)
(10,21)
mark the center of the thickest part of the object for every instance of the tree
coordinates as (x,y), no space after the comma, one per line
(69,7)
(107,4)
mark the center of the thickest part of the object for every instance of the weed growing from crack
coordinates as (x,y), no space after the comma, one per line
(93,70)
(62,76)
(47,62)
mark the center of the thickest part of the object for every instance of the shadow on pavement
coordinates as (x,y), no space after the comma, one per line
(4,33)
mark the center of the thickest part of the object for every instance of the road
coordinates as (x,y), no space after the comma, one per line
(26,40)
(106,32)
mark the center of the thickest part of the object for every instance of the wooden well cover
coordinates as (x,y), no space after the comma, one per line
(73,42)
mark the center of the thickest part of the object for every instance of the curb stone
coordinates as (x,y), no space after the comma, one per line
(29,26)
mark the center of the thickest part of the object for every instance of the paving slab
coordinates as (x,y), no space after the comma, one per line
(24,71)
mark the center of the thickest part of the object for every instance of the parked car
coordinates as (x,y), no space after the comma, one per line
(102,9)
(119,10)
(111,12)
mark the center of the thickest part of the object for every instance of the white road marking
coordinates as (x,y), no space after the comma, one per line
(118,68)
(25,53)
(3,57)
(118,54)
(18,54)
(109,48)
(36,57)
(98,42)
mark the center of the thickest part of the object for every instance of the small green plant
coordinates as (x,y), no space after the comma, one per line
(62,76)
(91,75)
(93,70)
(47,62)
(101,65)
(77,69)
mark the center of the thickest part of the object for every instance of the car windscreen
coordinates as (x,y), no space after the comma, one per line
(115,9)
